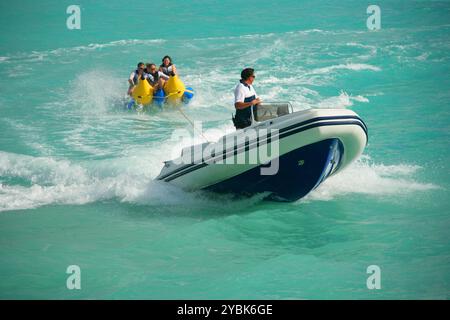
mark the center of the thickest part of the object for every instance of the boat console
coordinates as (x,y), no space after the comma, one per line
(270,110)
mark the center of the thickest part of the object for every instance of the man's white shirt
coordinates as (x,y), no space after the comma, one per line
(241,92)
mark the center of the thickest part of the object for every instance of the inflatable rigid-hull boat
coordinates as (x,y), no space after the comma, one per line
(309,146)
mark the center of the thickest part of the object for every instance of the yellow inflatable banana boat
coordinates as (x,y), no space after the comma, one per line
(143,93)
(174,90)
(174,93)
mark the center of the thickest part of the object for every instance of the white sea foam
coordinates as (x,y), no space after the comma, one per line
(372,179)
(36,56)
(94,96)
(423,57)
(117,43)
(347,66)
(60,181)
(371,50)
(342,101)
(266,35)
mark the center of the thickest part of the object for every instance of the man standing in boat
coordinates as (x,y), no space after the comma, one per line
(245,98)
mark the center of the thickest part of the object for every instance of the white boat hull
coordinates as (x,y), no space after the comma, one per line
(312,145)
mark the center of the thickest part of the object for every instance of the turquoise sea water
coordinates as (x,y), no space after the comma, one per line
(76,170)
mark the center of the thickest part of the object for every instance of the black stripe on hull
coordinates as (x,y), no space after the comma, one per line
(283,134)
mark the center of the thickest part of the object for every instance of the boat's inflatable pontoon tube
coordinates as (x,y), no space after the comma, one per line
(312,144)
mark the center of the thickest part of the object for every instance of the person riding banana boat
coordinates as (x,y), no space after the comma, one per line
(134,77)
(149,85)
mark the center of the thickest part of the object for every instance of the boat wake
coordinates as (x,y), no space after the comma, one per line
(368,178)
(28,182)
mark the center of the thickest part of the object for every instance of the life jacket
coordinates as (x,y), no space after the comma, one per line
(153,78)
(166,71)
(243,117)
(136,77)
